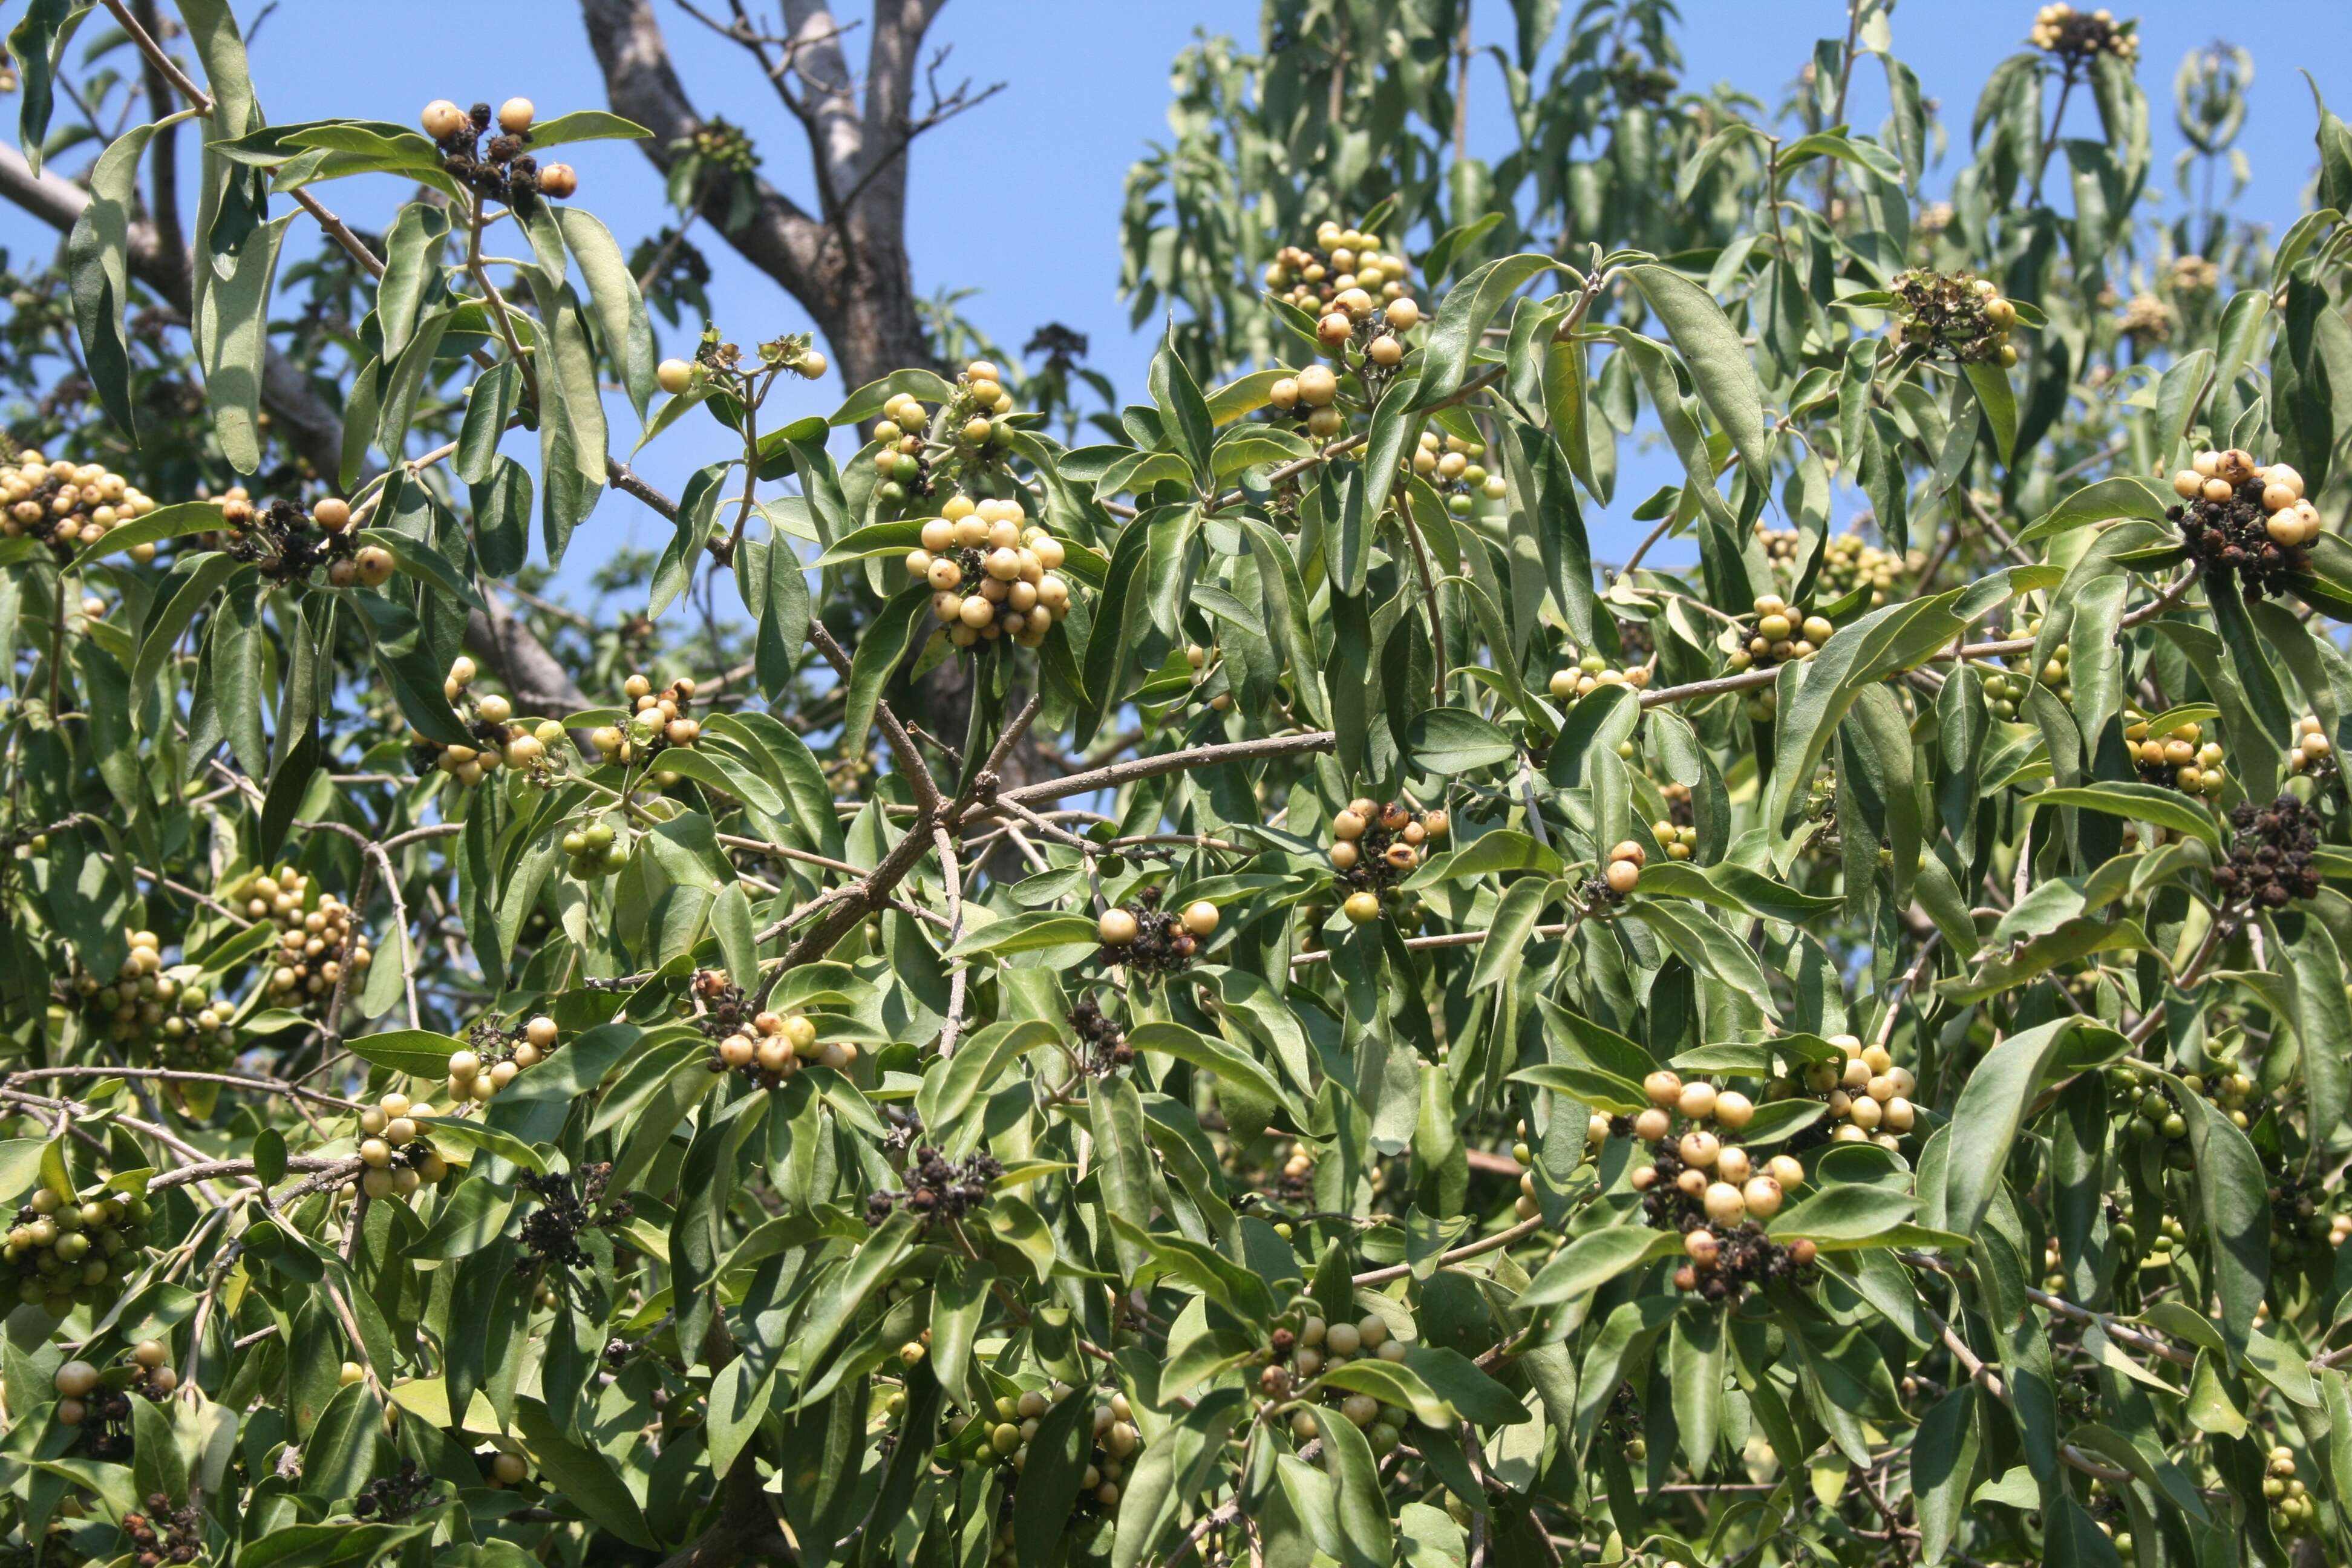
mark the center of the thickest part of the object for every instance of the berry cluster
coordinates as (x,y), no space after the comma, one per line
(2293,1511)
(2075,36)
(1377,844)
(990,576)
(2152,1114)
(499,170)
(936,1189)
(1847,562)
(180,1540)
(2006,688)
(1116,1444)
(1591,672)
(570,1203)
(1869,1096)
(1780,633)
(172,1018)
(98,1403)
(486,716)
(1313,276)
(1451,464)
(725,146)
(1311,397)
(2312,755)
(1697,1163)
(287,544)
(69,504)
(723,361)
(2178,759)
(394,1497)
(314,944)
(2244,520)
(394,1158)
(1148,940)
(1314,1349)
(494,1056)
(596,850)
(660,718)
(1103,1047)
(1957,314)
(2302,1228)
(2271,857)
(770,1047)
(61,1252)
(1621,873)
(501,1469)
(914,447)
(1679,840)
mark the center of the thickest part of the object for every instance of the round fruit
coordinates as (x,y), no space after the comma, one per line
(675,375)
(1116,927)
(515,116)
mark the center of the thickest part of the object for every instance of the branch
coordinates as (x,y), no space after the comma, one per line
(779,238)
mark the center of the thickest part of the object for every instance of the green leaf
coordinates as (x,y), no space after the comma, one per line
(582,1478)
(584,125)
(1718,360)
(419,1053)
(2126,495)
(1366,1539)
(341,1453)
(1990,1113)
(232,336)
(1216,1056)
(1592,1260)
(2323,1027)
(1050,1475)
(1462,319)
(1026,933)
(721,772)
(893,630)
(1999,401)
(1847,1213)
(620,309)
(1184,413)
(730,922)
(1447,740)
(32,43)
(2142,802)
(98,248)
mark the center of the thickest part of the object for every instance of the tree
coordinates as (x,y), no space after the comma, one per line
(1837,1051)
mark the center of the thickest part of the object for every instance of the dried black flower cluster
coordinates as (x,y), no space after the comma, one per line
(2232,538)
(1744,1255)
(569,1204)
(394,1497)
(726,1008)
(1161,944)
(1955,314)
(2272,858)
(180,1540)
(1390,847)
(1749,1257)
(106,1425)
(498,170)
(283,543)
(1103,1046)
(936,1189)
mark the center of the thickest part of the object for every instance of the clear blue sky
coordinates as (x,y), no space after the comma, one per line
(1019,199)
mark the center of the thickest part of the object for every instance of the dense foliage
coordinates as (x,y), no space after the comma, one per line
(1443,1050)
